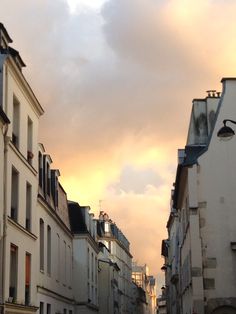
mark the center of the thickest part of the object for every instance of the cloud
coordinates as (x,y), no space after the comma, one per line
(136,180)
(142,217)
(116,85)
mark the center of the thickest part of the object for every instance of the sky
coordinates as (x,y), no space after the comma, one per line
(116,80)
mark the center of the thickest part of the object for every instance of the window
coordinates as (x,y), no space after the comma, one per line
(49,250)
(48,308)
(27,278)
(65,311)
(92,261)
(89,300)
(54,186)
(58,257)
(13,272)
(48,180)
(41,239)
(15,122)
(69,263)
(88,261)
(70,312)
(30,141)
(40,169)
(28,206)
(41,308)
(14,193)
(96,272)
(64,262)
(106,227)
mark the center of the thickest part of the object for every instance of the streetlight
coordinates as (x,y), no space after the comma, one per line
(226,132)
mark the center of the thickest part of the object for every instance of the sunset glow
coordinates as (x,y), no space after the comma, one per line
(117,97)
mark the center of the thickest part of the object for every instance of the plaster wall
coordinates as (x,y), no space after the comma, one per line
(217,190)
(124,261)
(105,289)
(1,200)
(1,177)
(25,244)
(58,305)
(27,108)
(59,279)
(85,280)
(17,158)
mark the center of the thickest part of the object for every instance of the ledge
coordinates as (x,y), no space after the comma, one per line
(22,158)
(21,307)
(20,227)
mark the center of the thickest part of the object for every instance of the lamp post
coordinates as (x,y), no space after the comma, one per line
(226,132)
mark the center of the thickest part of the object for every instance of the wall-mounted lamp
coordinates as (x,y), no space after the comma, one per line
(226,132)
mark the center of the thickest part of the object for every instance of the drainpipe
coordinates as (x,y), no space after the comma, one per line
(6,140)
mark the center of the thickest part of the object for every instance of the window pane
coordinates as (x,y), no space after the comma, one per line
(41,235)
(27,278)
(13,272)
(28,207)
(14,193)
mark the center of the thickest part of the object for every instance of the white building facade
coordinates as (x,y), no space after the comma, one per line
(85,259)
(55,242)
(20,176)
(204,204)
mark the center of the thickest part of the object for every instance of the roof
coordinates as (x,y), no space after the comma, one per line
(15,54)
(228,79)
(192,152)
(3,116)
(3,29)
(77,219)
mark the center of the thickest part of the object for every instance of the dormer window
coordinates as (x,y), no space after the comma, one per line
(46,176)
(40,169)
(54,186)
(106,227)
(48,180)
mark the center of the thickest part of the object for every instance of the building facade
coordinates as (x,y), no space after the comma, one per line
(85,258)
(54,256)
(108,275)
(146,282)
(203,209)
(117,244)
(55,242)
(19,103)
